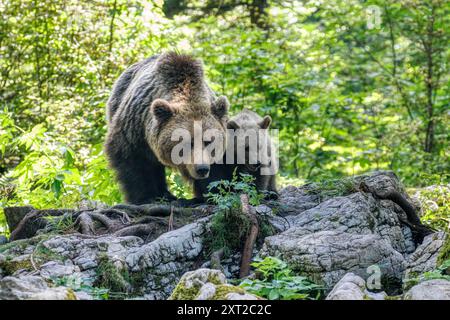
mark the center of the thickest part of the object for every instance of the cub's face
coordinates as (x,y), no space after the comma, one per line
(187,138)
(251,141)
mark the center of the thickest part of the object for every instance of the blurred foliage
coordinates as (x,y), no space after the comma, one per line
(351,85)
(435,203)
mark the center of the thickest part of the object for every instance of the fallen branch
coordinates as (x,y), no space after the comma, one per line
(251,238)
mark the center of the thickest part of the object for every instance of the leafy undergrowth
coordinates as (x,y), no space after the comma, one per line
(78,285)
(435,203)
(229,226)
(275,281)
(441,272)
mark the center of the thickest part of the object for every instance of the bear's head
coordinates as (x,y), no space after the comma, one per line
(188,136)
(251,143)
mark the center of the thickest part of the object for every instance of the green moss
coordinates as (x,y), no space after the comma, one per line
(227,231)
(224,289)
(181,292)
(214,278)
(334,188)
(71,295)
(42,255)
(444,252)
(110,277)
(24,243)
(9,266)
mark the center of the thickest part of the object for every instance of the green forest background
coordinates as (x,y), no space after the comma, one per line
(352,85)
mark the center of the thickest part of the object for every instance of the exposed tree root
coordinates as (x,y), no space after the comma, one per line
(34,221)
(251,238)
(418,229)
(145,221)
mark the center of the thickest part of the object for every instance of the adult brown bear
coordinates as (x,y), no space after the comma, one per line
(149,101)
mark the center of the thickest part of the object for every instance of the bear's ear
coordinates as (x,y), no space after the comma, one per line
(265,122)
(220,107)
(161,110)
(231,124)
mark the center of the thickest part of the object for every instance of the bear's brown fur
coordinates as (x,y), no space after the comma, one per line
(149,101)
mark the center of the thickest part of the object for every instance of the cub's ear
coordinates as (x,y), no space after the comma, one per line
(220,107)
(161,110)
(231,124)
(265,122)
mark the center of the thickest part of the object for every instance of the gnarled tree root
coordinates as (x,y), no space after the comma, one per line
(148,220)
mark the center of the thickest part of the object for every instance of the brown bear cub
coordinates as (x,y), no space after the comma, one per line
(264,165)
(149,101)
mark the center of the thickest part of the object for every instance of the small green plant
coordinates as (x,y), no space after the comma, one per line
(227,193)
(441,272)
(229,225)
(64,224)
(276,281)
(77,284)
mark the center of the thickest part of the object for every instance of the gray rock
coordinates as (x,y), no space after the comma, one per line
(32,288)
(56,269)
(350,287)
(437,289)
(357,213)
(326,256)
(295,200)
(167,258)
(353,287)
(424,259)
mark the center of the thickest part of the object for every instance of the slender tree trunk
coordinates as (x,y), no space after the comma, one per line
(258,13)
(111,26)
(429,83)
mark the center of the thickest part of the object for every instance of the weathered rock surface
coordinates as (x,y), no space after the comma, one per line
(437,289)
(353,287)
(350,287)
(324,235)
(425,258)
(347,234)
(326,256)
(32,288)
(207,284)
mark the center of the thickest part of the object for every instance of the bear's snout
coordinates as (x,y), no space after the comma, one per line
(202,170)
